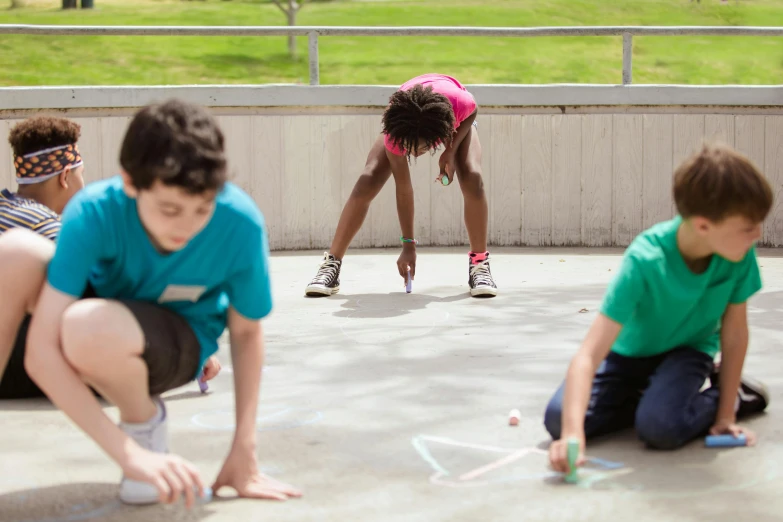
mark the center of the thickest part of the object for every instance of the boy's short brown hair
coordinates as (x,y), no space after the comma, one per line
(718,182)
(42,132)
(177,143)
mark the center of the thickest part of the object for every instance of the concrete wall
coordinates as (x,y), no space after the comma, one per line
(563,165)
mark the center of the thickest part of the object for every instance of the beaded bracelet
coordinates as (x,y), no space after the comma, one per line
(406,240)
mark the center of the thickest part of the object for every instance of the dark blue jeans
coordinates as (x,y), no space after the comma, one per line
(657,395)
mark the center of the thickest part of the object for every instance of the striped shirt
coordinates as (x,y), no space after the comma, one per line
(16,212)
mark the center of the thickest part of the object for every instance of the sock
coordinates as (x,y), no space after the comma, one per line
(154,420)
(478,257)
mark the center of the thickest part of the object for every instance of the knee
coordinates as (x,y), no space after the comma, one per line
(658,430)
(369,184)
(89,335)
(79,333)
(472,184)
(553,418)
(24,255)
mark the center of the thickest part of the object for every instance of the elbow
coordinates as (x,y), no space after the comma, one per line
(582,363)
(735,341)
(38,358)
(248,334)
(34,361)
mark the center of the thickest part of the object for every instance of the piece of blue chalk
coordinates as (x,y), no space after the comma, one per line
(202,385)
(207,496)
(725,441)
(409,284)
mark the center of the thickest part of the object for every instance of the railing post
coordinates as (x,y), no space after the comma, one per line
(627,58)
(312,44)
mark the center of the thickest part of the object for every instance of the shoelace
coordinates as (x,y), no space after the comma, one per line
(327,271)
(480,274)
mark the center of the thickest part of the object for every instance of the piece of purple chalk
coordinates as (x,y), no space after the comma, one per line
(202,385)
(409,284)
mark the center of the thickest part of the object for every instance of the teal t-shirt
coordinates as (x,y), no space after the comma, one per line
(103,242)
(663,305)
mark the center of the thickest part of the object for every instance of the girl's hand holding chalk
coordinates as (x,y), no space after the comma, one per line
(447,164)
(406,263)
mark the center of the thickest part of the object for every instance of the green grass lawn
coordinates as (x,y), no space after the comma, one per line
(132,60)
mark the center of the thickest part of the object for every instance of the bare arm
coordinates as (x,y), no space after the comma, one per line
(579,379)
(405,212)
(404,192)
(240,470)
(47,366)
(462,131)
(247,358)
(734,346)
(578,388)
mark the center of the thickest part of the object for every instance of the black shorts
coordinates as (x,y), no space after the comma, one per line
(171,351)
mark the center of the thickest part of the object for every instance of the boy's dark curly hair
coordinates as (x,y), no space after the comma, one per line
(418,114)
(42,132)
(177,143)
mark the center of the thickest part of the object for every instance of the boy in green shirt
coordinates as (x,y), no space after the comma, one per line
(678,299)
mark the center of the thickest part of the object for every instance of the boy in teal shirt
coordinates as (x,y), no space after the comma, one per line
(678,299)
(168,255)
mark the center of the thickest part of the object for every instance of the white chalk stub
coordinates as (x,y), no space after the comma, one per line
(513,418)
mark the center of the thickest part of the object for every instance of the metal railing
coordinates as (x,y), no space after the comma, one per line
(313,32)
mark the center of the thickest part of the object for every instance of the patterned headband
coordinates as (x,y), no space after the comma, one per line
(37,167)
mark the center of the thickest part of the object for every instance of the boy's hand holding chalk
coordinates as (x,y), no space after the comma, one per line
(566,455)
(725,441)
(211,368)
(726,433)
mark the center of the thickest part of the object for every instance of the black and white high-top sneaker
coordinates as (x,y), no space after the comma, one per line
(327,280)
(480,279)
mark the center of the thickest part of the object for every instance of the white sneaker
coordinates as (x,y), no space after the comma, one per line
(327,280)
(153,436)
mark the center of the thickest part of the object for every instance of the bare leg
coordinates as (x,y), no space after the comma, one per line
(375,175)
(24,256)
(472,185)
(103,342)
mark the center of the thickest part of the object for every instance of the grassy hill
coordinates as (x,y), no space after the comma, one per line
(31,60)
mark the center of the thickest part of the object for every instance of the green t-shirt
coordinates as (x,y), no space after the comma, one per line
(663,305)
